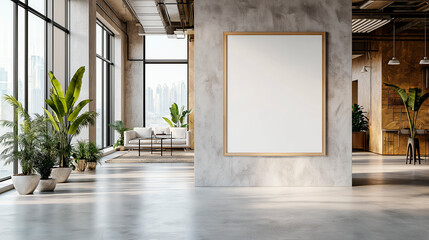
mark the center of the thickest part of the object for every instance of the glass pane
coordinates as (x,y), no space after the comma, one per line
(59,60)
(161,47)
(36,64)
(99,43)
(60,12)
(99,102)
(105,116)
(165,84)
(21,55)
(38,5)
(6,72)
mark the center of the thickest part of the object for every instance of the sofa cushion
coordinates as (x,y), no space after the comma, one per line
(143,132)
(161,130)
(178,132)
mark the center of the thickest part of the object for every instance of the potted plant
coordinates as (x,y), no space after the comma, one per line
(66,119)
(412,101)
(93,156)
(177,116)
(120,128)
(359,127)
(45,159)
(21,145)
(79,154)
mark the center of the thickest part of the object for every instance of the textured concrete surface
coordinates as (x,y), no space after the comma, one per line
(159,201)
(212,18)
(133,91)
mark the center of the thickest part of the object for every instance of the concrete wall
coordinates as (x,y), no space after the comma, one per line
(369,94)
(83,16)
(83,53)
(212,18)
(134,79)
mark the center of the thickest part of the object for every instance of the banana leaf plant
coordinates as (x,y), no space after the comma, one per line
(412,101)
(177,116)
(66,118)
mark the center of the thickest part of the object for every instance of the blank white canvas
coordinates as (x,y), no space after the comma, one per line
(274,94)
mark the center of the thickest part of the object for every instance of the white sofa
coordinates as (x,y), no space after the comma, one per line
(181,138)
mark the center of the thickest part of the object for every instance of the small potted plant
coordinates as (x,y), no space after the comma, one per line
(120,128)
(26,139)
(79,154)
(46,158)
(359,127)
(93,156)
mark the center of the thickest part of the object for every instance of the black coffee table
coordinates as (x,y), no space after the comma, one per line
(162,138)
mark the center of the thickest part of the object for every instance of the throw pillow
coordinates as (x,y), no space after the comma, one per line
(143,132)
(161,130)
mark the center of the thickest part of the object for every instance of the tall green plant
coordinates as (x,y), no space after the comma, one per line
(360,121)
(120,128)
(177,116)
(412,101)
(65,117)
(27,138)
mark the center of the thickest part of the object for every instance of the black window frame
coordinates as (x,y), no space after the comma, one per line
(50,25)
(107,109)
(166,62)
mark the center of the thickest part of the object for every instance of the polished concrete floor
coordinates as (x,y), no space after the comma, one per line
(390,200)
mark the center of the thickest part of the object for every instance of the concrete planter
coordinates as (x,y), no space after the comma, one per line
(81,165)
(25,184)
(61,174)
(47,185)
(91,166)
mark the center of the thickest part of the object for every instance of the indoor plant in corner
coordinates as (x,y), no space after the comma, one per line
(21,145)
(79,154)
(93,156)
(65,119)
(359,127)
(120,128)
(46,158)
(412,101)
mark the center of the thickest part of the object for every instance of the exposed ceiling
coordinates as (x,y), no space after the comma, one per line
(373,20)
(122,10)
(164,16)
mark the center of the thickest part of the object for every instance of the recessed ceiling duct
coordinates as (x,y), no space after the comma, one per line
(367,25)
(147,13)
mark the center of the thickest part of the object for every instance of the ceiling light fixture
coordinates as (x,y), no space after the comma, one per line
(393,61)
(180,34)
(425,60)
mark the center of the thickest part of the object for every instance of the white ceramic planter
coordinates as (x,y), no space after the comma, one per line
(47,185)
(25,184)
(61,174)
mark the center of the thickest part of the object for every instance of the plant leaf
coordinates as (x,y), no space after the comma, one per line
(75,82)
(51,118)
(414,98)
(168,121)
(402,93)
(58,90)
(77,110)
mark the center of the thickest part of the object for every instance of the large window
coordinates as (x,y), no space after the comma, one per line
(166,77)
(32,43)
(104,93)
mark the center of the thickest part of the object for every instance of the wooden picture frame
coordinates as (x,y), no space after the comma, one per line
(251,44)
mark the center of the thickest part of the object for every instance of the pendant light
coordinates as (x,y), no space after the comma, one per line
(425,60)
(393,61)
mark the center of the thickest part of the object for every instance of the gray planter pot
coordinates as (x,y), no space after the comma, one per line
(47,185)
(25,184)
(61,174)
